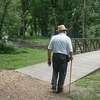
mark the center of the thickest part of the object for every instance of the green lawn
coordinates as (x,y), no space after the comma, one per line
(30,57)
(87,88)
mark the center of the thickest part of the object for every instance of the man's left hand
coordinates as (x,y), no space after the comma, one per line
(49,62)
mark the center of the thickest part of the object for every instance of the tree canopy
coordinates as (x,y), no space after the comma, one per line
(19,18)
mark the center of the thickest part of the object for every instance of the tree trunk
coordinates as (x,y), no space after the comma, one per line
(23,21)
(84,18)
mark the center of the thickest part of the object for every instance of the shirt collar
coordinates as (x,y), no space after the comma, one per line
(62,34)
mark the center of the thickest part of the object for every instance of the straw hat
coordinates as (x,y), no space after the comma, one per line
(62,28)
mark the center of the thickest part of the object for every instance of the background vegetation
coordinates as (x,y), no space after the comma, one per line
(19,18)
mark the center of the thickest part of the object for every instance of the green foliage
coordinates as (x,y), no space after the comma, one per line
(7,47)
(93,19)
(12,20)
(94,31)
(38,17)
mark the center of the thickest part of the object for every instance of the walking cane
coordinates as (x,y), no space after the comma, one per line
(70,77)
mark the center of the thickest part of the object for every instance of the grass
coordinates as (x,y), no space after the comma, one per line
(30,57)
(27,58)
(87,88)
(39,39)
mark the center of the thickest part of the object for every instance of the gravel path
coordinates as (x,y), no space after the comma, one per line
(18,86)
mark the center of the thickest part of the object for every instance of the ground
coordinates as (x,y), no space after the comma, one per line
(17,86)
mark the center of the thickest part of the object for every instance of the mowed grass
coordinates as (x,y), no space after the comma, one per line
(29,57)
(87,88)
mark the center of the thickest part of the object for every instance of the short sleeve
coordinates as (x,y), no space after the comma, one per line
(70,48)
(50,46)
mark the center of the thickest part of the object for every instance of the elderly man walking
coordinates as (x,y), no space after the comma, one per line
(61,47)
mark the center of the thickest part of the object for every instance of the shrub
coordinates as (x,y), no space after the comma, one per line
(9,48)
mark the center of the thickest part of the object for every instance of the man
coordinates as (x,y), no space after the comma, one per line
(61,47)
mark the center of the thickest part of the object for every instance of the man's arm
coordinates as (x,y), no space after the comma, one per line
(49,57)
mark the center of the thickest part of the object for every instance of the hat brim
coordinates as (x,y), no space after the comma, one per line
(63,30)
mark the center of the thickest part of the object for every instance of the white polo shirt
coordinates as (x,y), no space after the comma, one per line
(60,44)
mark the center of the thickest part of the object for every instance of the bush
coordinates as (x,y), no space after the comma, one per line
(10,48)
(7,47)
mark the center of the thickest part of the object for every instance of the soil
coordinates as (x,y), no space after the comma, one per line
(17,86)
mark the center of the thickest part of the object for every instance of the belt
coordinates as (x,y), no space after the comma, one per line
(60,54)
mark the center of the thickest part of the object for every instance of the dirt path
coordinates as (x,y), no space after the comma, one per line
(17,86)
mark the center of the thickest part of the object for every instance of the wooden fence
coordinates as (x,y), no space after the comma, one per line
(82,45)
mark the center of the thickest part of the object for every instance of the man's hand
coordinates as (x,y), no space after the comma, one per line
(49,57)
(49,62)
(71,55)
(71,58)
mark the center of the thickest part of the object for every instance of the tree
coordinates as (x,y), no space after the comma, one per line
(39,10)
(23,28)
(41,17)
(93,16)
(11,17)
(4,10)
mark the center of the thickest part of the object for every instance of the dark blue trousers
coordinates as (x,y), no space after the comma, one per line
(60,62)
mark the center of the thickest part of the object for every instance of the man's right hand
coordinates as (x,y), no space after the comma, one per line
(71,58)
